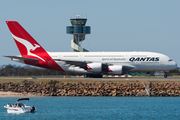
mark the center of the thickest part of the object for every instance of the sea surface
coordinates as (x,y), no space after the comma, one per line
(97,108)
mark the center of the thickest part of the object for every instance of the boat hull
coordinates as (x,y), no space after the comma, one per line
(19,110)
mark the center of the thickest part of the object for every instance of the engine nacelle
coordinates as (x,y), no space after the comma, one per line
(115,70)
(94,67)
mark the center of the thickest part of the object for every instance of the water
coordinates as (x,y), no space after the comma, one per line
(98,108)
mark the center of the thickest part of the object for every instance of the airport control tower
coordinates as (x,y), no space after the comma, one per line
(78,30)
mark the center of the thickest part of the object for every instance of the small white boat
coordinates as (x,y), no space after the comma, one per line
(20,107)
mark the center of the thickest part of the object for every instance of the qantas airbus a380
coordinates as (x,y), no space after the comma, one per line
(91,64)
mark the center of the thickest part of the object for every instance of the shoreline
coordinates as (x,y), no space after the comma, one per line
(90,89)
(15,94)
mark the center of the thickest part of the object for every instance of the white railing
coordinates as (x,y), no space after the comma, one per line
(77,47)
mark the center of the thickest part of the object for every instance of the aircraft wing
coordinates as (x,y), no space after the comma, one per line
(83,64)
(17,58)
(80,64)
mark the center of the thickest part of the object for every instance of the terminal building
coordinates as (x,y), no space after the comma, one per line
(78,30)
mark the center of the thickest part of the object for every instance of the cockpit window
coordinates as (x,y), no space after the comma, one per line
(170,60)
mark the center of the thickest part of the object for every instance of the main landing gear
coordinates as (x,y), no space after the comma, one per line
(165,76)
(93,76)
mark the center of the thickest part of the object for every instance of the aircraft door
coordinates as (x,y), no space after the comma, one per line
(162,63)
(81,57)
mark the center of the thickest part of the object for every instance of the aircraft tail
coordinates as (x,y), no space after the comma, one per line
(26,44)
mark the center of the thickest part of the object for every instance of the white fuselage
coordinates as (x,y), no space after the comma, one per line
(139,61)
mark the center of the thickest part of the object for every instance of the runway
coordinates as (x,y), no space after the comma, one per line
(99,79)
(130,79)
(152,79)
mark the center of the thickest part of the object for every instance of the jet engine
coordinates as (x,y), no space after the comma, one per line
(101,68)
(94,67)
(115,70)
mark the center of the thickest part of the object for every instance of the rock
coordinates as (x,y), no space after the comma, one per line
(114,94)
(92,89)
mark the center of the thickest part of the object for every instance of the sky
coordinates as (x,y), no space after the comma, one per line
(116,25)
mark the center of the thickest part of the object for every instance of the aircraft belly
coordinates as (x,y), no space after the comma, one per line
(152,67)
(68,68)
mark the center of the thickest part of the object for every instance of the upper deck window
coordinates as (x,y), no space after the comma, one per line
(104,56)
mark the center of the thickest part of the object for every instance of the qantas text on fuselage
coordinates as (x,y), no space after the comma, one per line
(144,59)
(88,63)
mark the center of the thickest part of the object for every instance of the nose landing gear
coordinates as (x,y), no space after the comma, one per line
(165,74)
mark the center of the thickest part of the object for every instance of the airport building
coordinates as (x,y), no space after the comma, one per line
(78,30)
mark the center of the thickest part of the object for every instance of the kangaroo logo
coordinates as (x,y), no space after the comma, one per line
(28,46)
(109,70)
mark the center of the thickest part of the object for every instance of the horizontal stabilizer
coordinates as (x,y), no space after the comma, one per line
(15,58)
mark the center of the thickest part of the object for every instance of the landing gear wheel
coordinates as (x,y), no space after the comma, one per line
(165,76)
(93,76)
(97,76)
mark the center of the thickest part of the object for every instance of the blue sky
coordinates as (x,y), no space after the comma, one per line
(116,25)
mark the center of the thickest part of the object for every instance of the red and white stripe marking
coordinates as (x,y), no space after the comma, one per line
(125,76)
(117,76)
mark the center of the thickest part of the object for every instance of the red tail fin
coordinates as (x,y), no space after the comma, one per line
(27,46)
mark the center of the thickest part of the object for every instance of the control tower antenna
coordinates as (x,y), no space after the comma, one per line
(78,30)
(78,16)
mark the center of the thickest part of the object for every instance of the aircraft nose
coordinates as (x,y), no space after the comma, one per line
(175,65)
